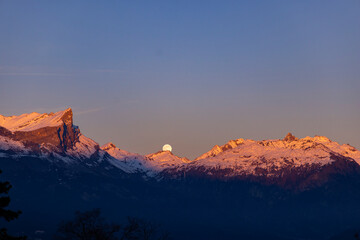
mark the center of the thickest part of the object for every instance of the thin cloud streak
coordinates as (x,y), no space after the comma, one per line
(13,71)
(108,71)
(35,74)
(88,111)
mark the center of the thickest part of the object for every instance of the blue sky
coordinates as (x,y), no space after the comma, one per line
(189,73)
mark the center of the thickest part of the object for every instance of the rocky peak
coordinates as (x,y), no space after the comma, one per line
(289,138)
(160,153)
(219,149)
(53,131)
(321,139)
(108,146)
(164,159)
(34,121)
(67,117)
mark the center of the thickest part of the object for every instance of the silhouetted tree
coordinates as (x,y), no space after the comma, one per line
(7,214)
(139,229)
(91,226)
(87,226)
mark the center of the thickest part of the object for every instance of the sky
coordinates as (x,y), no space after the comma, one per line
(188,73)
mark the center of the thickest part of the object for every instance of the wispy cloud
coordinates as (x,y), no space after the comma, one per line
(108,70)
(8,70)
(35,74)
(88,111)
(44,71)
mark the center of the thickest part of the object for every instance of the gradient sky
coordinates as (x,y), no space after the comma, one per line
(189,73)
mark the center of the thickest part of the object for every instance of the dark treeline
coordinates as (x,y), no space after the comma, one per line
(6,214)
(188,209)
(87,225)
(90,225)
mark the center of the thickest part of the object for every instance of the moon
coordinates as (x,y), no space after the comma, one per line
(167,147)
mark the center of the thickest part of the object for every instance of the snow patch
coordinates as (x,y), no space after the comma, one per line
(9,144)
(84,148)
(32,121)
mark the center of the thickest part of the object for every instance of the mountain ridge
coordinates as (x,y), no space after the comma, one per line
(277,184)
(55,135)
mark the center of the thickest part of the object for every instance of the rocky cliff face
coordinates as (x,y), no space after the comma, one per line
(59,138)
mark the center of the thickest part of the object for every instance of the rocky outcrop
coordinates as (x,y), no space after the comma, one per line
(289,138)
(219,149)
(108,146)
(56,138)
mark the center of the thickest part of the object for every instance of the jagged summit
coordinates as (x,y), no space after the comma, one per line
(289,137)
(273,157)
(108,146)
(218,149)
(33,121)
(159,153)
(322,139)
(166,154)
(150,164)
(164,159)
(289,141)
(118,153)
(124,160)
(48,133)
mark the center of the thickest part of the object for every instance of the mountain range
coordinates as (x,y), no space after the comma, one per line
(50,162)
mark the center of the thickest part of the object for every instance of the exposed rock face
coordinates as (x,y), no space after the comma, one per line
(289,138)
(108,146)
(59,138)
(219,149)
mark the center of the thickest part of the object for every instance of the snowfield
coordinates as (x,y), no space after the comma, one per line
(32,121)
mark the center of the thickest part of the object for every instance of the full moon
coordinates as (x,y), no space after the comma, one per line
(167,147)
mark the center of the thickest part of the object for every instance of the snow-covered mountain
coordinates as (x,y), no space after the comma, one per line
(126,161)
(249,156)
(45,135)
(33,121)
(149,164)
(277,183)
(290,162)
(219,149)
(165,159)
(54,135)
